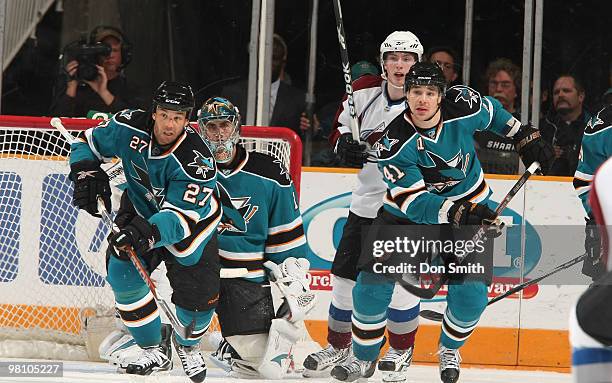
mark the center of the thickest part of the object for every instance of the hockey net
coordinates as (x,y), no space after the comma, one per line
(52,257)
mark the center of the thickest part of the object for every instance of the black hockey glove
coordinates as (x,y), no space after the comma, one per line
(139,234)
(531,147)
(90,181)
(593,265)
(351,153)
(467,213)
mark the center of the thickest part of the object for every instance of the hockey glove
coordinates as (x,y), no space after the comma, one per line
(351,153)
(593,265)
(139,234)
(90,181)
(531,147)
(467,213)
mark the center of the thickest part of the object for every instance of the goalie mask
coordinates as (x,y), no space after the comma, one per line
(219,122)
(400,41)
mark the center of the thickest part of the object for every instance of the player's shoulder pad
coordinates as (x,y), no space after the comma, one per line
(367,81)
(397,133)
(268,167)
(195,157)
(600,121)
(136,119)
(460,101)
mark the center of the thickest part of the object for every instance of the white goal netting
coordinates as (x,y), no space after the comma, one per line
(52,257)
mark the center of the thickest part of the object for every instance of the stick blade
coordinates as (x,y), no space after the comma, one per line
(432,315)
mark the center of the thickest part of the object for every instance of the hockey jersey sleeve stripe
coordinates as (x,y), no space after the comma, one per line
(404,200)
(286,227)
(297,242)
(238,263)
(415,187)
(182,221)
(285,237)
(515,127)
(190,215)
(235,256)
(583,176)
(188,245)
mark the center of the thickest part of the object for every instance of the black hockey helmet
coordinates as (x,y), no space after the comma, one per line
(174,96)
(425,73)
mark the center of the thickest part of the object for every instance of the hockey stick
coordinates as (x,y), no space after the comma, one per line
(480,235)
(184,331)
(437,317)
(346,70)
(117,177)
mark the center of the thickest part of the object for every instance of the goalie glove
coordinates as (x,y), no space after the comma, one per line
(291,279)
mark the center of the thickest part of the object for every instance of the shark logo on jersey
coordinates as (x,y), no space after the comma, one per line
(159,194)
(127,114)
(283,169)
(142,177)
(593,123)
(247,211)
(384,143)
(467,95)
(201,163)
(444,174)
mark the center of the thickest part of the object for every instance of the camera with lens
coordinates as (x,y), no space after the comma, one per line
(88,56)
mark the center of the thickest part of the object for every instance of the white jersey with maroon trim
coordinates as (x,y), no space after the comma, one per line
(375,111)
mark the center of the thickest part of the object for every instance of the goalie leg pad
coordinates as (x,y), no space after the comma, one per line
(278,355)
(196,287)
(245,308)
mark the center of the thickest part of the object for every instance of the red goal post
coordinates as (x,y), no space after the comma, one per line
(51,273)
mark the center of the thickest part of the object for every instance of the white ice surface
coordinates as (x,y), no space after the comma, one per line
(89,372)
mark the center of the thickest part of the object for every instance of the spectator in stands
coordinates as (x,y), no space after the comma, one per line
(446,58)
(497,154)
(92,80)
(564,125)
(287,103)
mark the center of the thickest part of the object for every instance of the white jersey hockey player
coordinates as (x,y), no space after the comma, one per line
(378,100)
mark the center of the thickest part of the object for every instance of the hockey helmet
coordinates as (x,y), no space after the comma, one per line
(174,96)
(425,73)
(219,109)
(400,41)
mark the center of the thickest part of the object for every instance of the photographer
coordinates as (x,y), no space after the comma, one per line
(564,126)
(92,78)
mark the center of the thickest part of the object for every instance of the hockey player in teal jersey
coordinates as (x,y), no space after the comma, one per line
(429,163)
(256,342)
(168,212)
(596,148)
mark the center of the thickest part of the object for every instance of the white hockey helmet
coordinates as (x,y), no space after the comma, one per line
(400,41)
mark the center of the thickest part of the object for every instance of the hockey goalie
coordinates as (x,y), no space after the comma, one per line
(257,340)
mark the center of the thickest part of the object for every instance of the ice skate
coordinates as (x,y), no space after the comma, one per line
(192,361)
(449,364)
(321,362)
(153,359)
(352,369)
(394,365)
